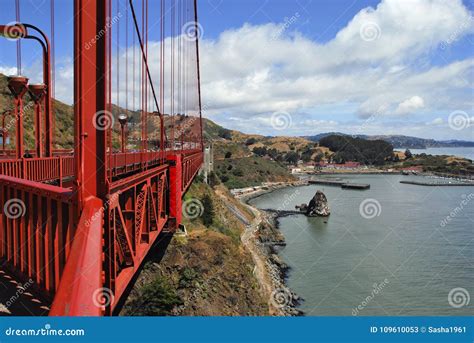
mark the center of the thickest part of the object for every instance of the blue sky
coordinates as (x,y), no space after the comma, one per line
(299,67)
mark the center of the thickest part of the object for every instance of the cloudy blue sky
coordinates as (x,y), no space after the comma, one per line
(301,67)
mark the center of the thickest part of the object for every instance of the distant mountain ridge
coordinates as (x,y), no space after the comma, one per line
(400,141)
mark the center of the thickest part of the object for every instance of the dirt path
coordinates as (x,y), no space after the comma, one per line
(249,241)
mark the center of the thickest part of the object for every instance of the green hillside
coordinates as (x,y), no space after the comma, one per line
(64,116)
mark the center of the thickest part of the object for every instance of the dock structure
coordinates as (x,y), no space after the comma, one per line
(326,182)
(283,213)
(355,185)
(436,184)
(340,183)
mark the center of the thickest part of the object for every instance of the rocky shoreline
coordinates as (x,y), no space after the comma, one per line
(268,239)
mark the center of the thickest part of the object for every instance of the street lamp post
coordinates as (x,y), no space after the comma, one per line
(123,121)
(18,85)
(37,93)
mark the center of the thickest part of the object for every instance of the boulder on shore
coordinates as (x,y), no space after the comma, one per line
(317,207)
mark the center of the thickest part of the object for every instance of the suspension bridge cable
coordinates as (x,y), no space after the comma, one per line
(144,56)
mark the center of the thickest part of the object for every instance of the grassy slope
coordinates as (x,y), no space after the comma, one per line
(250,171)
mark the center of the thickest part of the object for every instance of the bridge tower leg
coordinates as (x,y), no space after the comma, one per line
(91,90)
(91,79)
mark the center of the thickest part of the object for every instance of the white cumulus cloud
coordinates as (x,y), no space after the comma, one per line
(410,105)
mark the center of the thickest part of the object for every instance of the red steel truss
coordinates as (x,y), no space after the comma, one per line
(79,223)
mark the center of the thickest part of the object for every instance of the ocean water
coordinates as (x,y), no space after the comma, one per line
(395,249)
(461,152)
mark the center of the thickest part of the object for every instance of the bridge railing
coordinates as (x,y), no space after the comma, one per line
(44,169)
(37,226)
(11,153)
(38,169)
(57,168)
(192,161)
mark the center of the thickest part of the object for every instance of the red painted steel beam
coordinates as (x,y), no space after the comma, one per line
(80,288)
(18,87)
(175,189)
(90,96)
(37,93)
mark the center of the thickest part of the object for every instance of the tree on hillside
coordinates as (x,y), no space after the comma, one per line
(157,298)
(224,133)
(318,158)
(374,152)
(306,155)
(408,154)
(228,154)
(292,157)
(213,179)
(260,151)
(208,211)
(250,141)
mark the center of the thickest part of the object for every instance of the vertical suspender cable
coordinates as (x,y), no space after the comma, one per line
(143,81)
(108,132)
(126,57)
(146,79)
(117,71)
(18,41)
(198,72)
(162,63)
(133,70)
(172,75)
(144,57)
(52,81)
